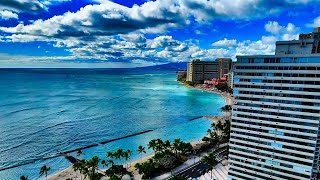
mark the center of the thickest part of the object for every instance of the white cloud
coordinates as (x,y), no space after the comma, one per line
(136,38)
(151,17)
(161,42)
(22,5)
(266,45)
(105,19)
(274,28)
(25,38)
(180,48)
(238,9)
(112,31)
(198,32)
(52,2)
(211,54)
(225,43)
(5,14)
(16,61)
(315,23)
(28,5)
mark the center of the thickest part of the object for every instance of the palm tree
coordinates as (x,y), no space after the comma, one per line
(139,168)
(210,160)
(44,170)
(215,138)
(167,145)
(219,126)
(92,166)
(141,150)
(77,166)
(152,145)
(213,126)
(110,154)
(24,178)
(118,154)
(226,129)
(226,109)
(108,162)
(146,168)
(83,168)
(181,148)
(160,145)
(126,155)
(206,139)
(176,146)
(209,131)
(218,129)
(129,153)
(186,148)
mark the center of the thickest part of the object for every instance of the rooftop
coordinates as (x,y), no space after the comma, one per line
(279,56)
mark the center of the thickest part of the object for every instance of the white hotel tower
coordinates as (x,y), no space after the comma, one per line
(275,132)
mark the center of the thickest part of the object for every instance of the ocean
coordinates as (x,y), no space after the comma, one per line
(43,111)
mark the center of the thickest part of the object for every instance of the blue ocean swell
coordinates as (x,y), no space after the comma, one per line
(45,111)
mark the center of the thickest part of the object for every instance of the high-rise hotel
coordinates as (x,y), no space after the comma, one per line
(275,131)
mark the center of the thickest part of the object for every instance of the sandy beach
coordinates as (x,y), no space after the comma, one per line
(229,100)
(69,173)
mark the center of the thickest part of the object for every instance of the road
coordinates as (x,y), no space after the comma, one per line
(195,171)
(198,169)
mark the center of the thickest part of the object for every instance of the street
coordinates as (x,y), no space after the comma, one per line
(195,171)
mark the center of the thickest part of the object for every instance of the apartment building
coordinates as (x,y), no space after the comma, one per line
(225,65)
(275,132)
(230,76)
(199,71)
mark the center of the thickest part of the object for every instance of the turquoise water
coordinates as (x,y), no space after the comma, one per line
(48,110)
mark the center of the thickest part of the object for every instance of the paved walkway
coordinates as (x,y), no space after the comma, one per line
(191,161)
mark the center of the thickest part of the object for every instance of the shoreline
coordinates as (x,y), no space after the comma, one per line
(228,99)
(69,173)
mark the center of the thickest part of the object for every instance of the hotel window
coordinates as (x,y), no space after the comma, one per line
(276,145)
(273,162)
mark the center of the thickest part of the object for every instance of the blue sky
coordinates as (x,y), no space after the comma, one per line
(131,33)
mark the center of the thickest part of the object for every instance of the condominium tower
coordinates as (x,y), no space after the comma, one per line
(275,132)
(199,71)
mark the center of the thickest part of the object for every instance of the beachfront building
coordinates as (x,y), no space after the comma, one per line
(225,65)
(230,76)
(230,79)
(182,75)
(275,132)
(199,71)
(216,81)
